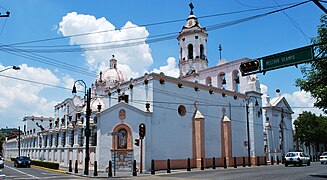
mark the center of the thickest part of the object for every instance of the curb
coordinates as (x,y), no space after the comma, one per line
(49,169)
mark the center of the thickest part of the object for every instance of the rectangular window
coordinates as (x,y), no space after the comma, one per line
(56,139)
(45,140)
(80,137)
(50,142)
(63,139)
(71,138)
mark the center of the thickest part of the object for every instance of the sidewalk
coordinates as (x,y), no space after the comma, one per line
(102,174)
(144,175)
(120,174)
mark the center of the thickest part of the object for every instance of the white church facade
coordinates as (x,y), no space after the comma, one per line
(205,113)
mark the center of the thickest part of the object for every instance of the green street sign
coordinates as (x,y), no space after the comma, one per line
(288,58)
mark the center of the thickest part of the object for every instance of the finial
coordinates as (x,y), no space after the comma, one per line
(219,48)
(191,7)
(113,56)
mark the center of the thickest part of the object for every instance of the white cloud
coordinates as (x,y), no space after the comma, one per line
(170,69)
(133,61)
(20,98)
(67,81)
(301,101)
(264,88)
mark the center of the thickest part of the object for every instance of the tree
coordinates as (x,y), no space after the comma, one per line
(311,129)
(314,77)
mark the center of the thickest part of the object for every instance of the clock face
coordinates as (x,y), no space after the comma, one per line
(190,23)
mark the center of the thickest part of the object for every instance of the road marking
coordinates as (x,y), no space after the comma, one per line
(58,177)
(23,172)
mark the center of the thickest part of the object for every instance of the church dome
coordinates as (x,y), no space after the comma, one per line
(112,75)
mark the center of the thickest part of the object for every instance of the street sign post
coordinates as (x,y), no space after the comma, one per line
(287,58)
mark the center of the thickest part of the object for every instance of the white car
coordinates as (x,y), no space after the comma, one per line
(323,158)
(2,164)
(296,158)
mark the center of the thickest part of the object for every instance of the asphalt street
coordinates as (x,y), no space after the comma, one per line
(316,171)
(12,172)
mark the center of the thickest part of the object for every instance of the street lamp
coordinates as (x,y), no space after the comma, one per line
(10,67)
(248,126)
(87,128)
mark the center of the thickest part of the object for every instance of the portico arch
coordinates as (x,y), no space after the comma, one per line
(126,135)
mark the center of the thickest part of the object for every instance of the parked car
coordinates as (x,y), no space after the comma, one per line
(296,158)
(2,163)
(323,158)
(22,161)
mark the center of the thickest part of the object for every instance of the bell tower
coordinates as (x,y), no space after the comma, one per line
(192,42)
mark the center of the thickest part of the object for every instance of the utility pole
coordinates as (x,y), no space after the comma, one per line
(320,5)
(87,128)
(6,15)
(87,132)
(18,140)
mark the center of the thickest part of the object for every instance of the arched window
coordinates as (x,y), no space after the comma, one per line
(236,81)
(181,54)
(221,83)
(208,81)
(122,139)
(202,56)
(190,51)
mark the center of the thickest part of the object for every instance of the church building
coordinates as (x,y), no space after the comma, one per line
(207,114)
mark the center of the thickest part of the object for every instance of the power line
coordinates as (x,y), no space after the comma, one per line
(295,24)
(218,26)
(154,102)
(147,25)
(244,4)
(97,43)
(3,26)
(49,61)
(135,43)
(3,8)
(34,82)
(212,116)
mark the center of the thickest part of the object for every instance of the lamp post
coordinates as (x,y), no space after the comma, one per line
(248,126)
(10,67)
(87,128)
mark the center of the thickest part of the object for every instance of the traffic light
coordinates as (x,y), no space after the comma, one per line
(142,130)
(137,142)
(249,66)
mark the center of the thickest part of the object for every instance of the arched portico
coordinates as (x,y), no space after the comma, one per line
(122,147)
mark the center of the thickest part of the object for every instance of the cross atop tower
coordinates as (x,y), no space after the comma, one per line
(191,7)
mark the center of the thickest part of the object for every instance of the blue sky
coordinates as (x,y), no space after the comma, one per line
(43,19)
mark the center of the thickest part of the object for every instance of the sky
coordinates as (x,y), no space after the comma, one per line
(58,42)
